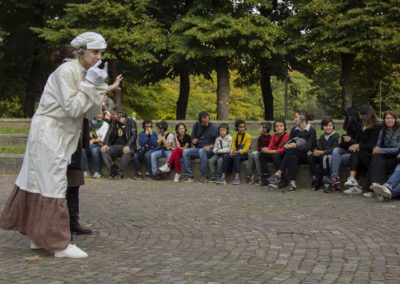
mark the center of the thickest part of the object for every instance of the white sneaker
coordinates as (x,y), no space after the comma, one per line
(72,251)
(96,175)
(165,168)
(381,191)
(177,177)
(369,194)
(353,190)
(86,174)
(351,182)
(34,246)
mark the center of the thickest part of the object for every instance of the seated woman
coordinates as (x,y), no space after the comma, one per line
(341,155)
(384,153)
(361,148)
(302,141)
(319,160)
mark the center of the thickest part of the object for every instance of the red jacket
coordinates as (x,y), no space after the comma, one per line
(273,145)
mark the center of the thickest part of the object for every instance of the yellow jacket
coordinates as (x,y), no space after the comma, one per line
(240,143)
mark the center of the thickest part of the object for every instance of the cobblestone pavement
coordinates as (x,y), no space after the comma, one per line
(151,232)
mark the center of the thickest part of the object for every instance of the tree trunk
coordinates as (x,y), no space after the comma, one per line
(345,79)
(184,91)
(32,89)
(118,93)
(223,88)
(266,90)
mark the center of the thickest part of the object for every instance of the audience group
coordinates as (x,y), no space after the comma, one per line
(367,152)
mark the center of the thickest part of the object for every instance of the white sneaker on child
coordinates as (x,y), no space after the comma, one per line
(165,168)
(177,177)
(351,182)
(353,190)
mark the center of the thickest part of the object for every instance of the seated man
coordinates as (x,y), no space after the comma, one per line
(203,136)
(119,141)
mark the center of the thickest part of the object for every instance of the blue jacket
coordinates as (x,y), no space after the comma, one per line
(147,143)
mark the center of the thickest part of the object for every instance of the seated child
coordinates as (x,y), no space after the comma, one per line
(253,164)
(275,151)
(182,141)
(147,145)
(222,146)
(241,142)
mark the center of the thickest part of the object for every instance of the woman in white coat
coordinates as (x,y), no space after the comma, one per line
(37,206)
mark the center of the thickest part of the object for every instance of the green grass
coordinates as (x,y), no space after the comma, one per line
(10,130)
(12,149)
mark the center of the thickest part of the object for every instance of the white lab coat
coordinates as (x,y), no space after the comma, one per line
(56,128)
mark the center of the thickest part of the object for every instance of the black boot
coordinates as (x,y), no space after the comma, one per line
(73,209)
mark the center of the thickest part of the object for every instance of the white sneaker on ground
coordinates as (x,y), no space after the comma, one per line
(71,251)
(34,246)
(86,174)
(165,168)
(353,190)
(381,191)
(96,175)
(351,182)
(177,177)
(369,194)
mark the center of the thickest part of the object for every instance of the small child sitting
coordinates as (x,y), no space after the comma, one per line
(222,146)
(241,142)
(253,164)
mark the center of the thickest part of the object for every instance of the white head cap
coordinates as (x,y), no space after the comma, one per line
(89,40)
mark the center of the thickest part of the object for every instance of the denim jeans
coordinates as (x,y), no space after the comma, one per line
(393,183)
(155,156)
(236,162)
(339,157)
(254,165)
(142,156)
(192,153)
(94,153)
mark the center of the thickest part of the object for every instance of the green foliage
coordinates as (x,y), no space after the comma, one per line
(157,101)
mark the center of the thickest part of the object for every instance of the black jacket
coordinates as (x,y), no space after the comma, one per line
(130,132)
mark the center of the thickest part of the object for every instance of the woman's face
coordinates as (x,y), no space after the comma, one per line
(328,129)
(90,57)
(181,130)
(279,127)
(390,121)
